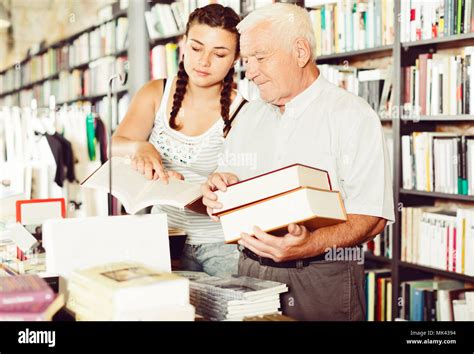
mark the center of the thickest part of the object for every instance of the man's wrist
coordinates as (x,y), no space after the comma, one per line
(315,247)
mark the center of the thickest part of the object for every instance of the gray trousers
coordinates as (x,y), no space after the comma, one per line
(322,291)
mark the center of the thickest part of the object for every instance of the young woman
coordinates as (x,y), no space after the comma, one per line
(177,130)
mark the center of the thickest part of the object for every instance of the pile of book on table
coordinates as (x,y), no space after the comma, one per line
(233,298)
(293,194)
(27,298)
(128,291)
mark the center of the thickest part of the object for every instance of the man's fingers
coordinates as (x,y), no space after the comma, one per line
(247,242)
(218,182)
(254,243)
(211,203)
(209,212)
(264,237)
(207,193)
(296,230)
(230,178)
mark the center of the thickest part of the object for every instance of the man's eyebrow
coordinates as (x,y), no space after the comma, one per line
(195,40)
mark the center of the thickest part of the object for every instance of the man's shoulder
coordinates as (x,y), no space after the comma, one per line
(347,105)
(253,110)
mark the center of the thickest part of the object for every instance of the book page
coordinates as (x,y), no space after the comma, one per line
(127,184)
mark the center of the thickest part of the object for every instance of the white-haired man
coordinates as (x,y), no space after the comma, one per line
(302,118)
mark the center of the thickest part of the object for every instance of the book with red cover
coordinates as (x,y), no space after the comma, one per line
(24,292)
(266,185)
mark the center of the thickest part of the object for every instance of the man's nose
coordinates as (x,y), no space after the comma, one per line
(250,71)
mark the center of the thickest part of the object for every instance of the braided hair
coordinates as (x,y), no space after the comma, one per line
(213,15)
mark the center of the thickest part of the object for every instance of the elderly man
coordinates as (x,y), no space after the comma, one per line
(302,118)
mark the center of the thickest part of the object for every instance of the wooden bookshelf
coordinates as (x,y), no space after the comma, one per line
(452,41)
(457,197)
(435,271)
(379,259)
(441,118)
(357,54)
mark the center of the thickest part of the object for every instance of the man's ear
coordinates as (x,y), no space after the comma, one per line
(302,51)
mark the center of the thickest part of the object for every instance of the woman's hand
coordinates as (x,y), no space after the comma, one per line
(147,161)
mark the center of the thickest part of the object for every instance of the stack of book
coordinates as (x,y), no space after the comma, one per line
(233,298)
(27,298)
(293,194)
(128,291)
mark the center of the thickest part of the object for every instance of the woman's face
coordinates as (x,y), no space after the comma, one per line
(209,54)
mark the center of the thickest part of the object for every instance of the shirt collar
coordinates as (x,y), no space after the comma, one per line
(296,106)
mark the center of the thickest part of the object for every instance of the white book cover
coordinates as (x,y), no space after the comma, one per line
(136,192)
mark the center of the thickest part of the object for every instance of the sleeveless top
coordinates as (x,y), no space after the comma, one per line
(195,157)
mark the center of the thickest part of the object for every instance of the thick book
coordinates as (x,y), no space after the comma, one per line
(312,207)
(270,184)
(24,292)
(136,192)
(125,286)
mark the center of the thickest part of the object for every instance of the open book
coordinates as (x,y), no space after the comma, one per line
(136,192)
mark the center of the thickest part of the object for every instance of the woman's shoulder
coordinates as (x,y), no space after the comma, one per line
(153,91)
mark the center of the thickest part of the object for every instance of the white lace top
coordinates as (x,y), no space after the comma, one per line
(195,157)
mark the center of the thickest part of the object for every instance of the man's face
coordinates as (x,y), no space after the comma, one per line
(268,65)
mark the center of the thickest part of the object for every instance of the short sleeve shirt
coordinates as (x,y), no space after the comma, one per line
(325,127)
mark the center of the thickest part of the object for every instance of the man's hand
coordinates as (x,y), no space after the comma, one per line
(215,181)
(296,244)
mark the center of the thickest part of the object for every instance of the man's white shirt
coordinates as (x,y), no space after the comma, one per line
(324,127)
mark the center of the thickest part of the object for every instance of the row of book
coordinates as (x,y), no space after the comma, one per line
(421,19)
(164,60)
(439,84)
(169,20)
(107,39)
(349,25)
(439,238)
(378,295)
(233,298)
(382,244)
(374,85)
(71,86)
(436,300)
(438,162)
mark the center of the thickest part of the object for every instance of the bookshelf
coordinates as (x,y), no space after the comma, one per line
(401,55)
(63,65)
